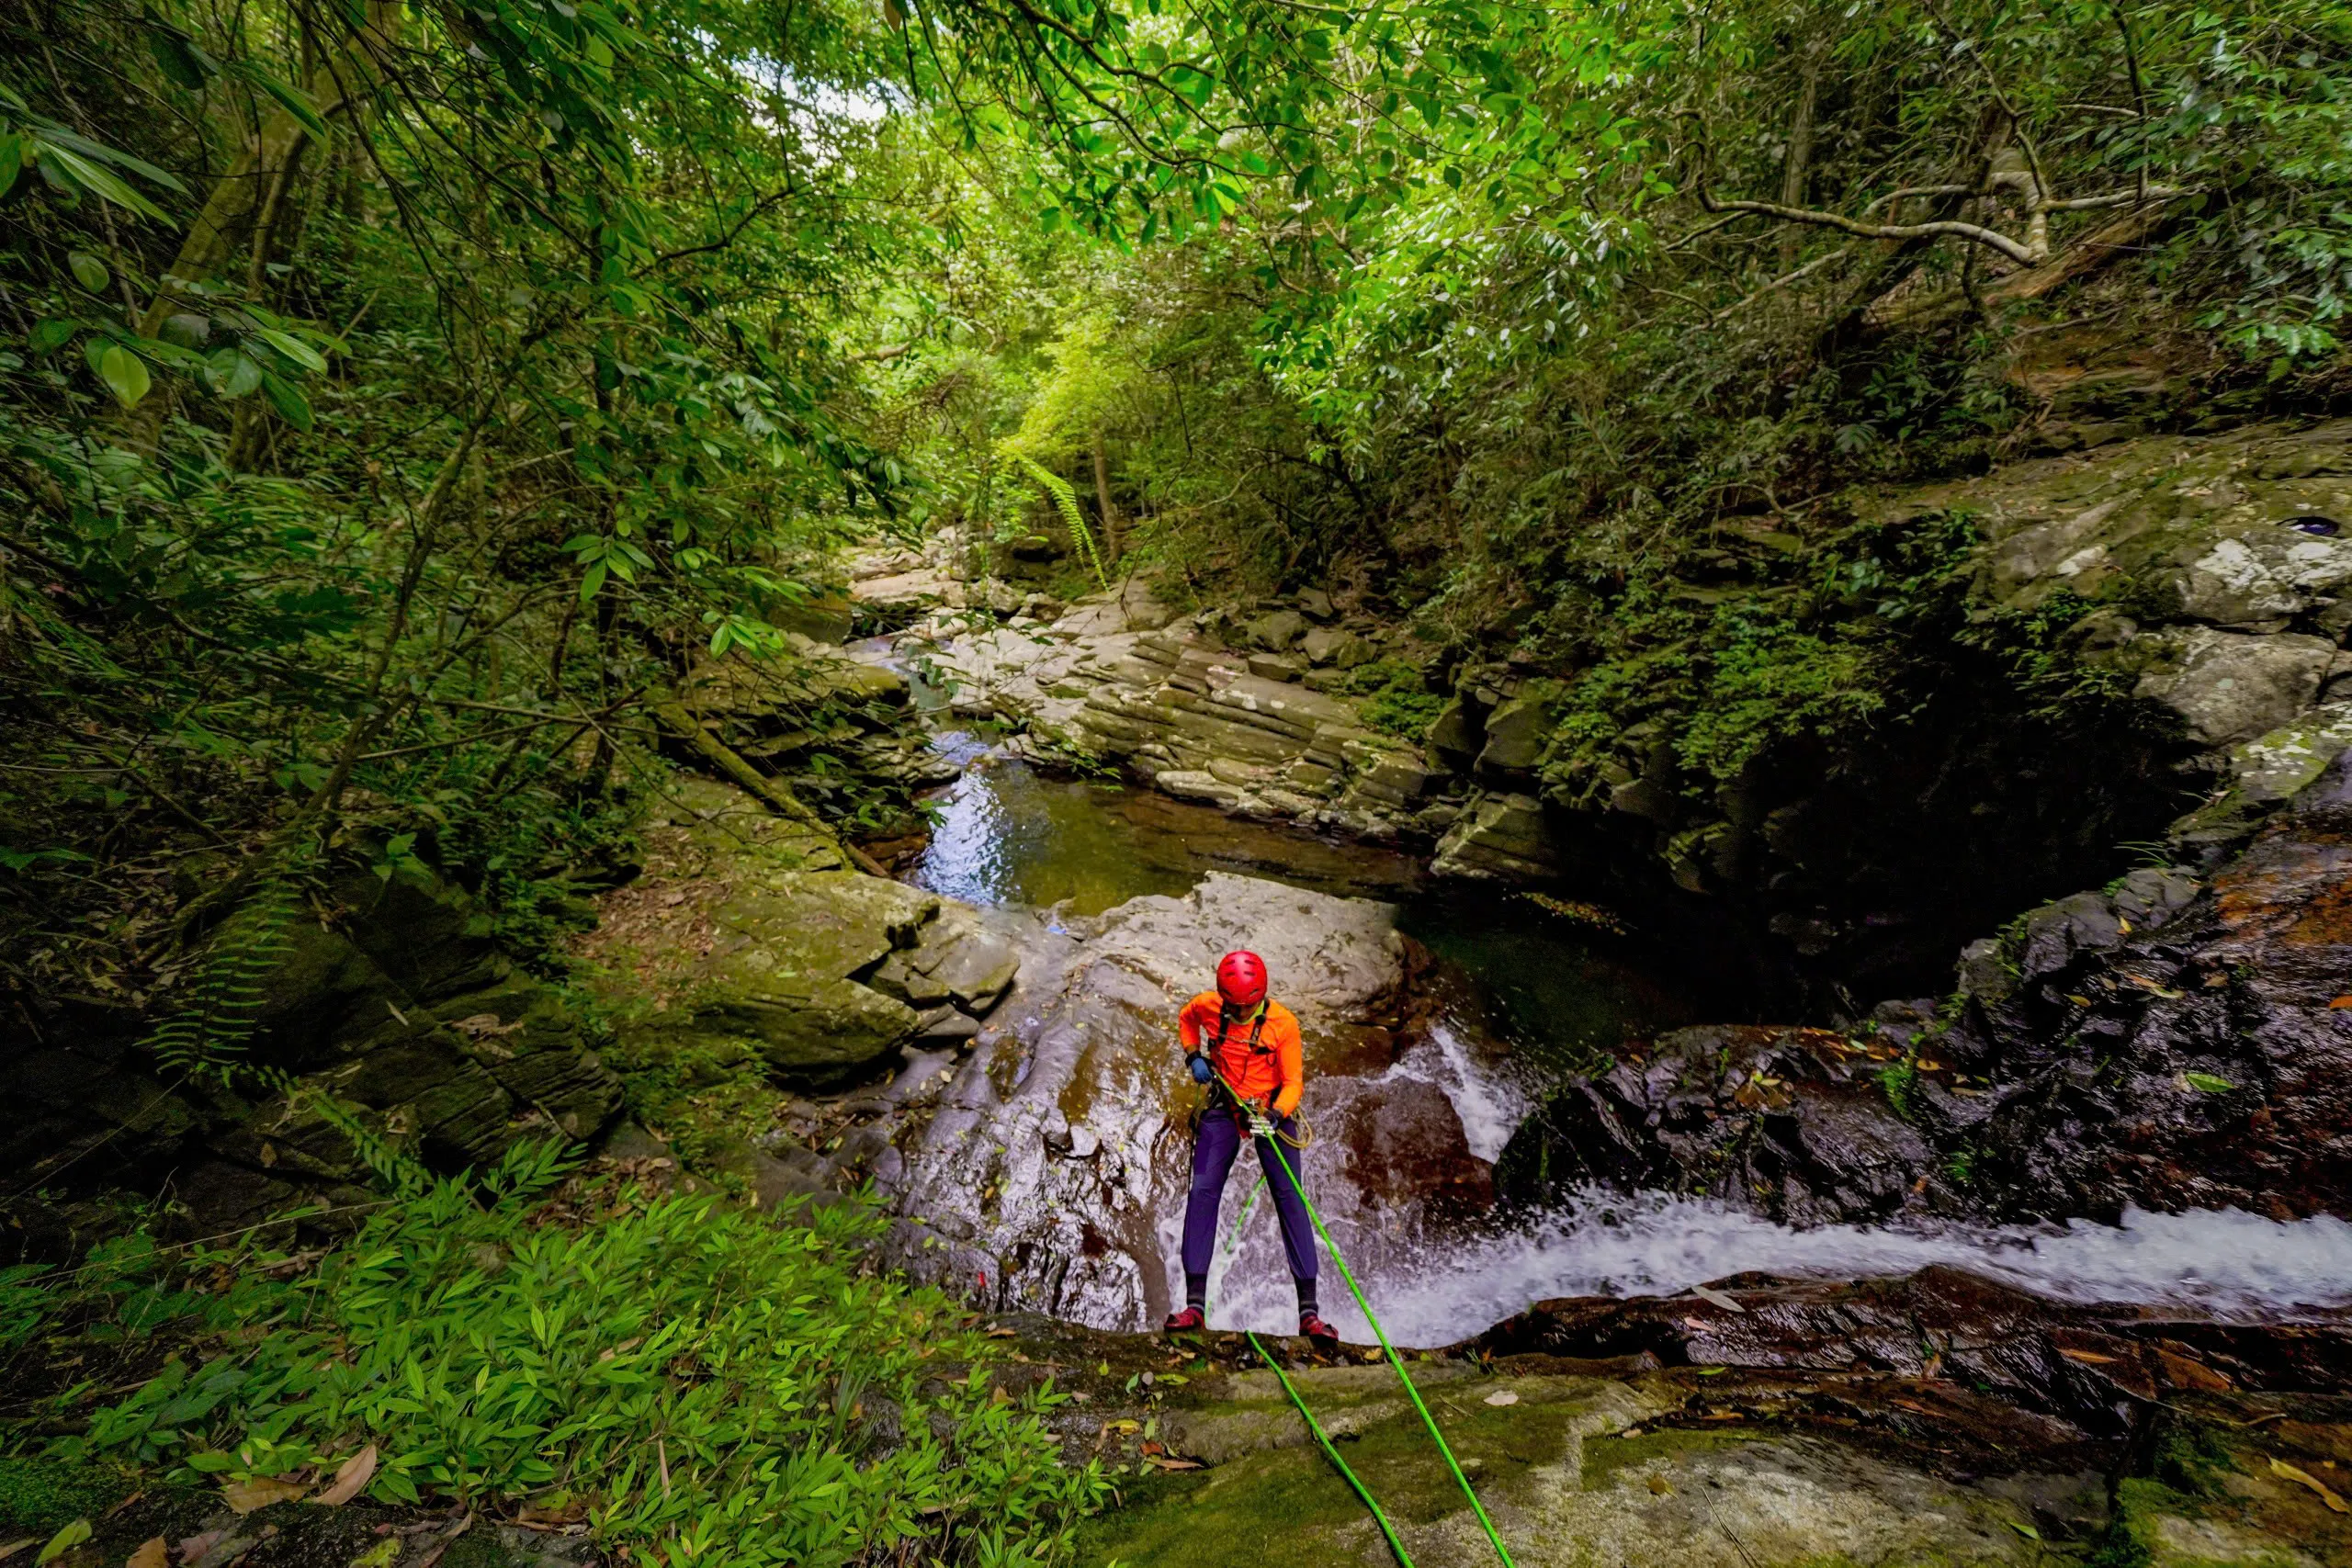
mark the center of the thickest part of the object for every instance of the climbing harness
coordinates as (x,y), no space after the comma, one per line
(1395,1361)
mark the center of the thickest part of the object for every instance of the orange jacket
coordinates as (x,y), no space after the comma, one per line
(1271,1069)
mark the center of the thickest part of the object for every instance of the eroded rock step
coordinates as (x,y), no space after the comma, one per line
(1756,1424)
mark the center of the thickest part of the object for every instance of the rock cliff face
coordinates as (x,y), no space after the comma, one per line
(391,1001)
(2174,1041)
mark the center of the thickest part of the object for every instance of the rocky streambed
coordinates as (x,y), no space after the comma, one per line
(1692,1376)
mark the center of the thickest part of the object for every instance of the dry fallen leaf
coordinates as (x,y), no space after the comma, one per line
(2341,1002)
(1716,1298)
(1502,1396)
(1657,1484)
(152,1553)
(245,1496)
(2335,1505)
(10,1548)
(350,1480)
(195,1546)
(2088,1358)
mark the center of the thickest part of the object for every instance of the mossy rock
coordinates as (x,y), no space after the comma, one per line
(1561,1484)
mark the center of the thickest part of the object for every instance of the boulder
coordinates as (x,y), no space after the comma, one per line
(1336,648)
(1502,836)
(1276,631)
(814,1031)
(1518,731)
(399,1008)
(1315,605)
(1056,1164)
(823,975)
(1792,1121)
(1456,734)
(2229,687)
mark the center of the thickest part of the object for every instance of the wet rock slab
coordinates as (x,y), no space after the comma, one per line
(1761,1424)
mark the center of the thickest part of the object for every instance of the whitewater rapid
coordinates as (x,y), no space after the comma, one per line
(1440,1290)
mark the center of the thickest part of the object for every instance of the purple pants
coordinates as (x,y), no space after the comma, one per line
(1214,1148)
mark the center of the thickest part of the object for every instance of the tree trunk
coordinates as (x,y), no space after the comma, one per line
(265,166)
(682,721)
(1113,532)
(1798,163)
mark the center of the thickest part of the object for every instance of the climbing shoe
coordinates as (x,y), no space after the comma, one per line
(1189,1321)
(1319,1334)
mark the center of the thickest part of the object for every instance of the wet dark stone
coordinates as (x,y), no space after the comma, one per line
(2096,1368)
(401,1007)
(1794,1123)
(2175,1041)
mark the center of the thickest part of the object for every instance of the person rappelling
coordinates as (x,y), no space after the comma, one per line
(1246,1046)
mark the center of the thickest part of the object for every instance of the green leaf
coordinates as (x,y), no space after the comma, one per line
(177,53)
(58,136)
(125,372)
(78,173)
(591,580)
(88,270)
(63,1541)
(292,348)
(239,377)
(2206,1083)
(12,160)
(287,400)
(293,101)
(53,335)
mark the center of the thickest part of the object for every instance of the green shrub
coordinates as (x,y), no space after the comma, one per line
(1397,700)
(705,1382)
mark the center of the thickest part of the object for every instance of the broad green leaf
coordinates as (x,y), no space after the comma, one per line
(292,348)
(287,400)
(64,1541)
(293,100)
(78,173)
(52,334)
(237,376)
(57,136)
(2206,1083)
(182,60)
(12,160)
(88,270)
(125,372)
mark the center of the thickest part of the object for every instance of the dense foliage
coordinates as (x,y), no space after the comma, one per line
(1555,294)
(694,1382)
(400,403)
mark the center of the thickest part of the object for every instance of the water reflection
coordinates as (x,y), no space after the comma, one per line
(1556,993)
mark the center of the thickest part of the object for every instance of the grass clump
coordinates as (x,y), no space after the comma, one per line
(695,1382)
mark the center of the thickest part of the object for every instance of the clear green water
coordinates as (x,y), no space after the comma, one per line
(1556,991)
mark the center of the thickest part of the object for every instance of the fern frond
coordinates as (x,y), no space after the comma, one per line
(221,1001)
(1065,498)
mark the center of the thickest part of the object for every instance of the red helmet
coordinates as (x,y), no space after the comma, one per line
(1242,979)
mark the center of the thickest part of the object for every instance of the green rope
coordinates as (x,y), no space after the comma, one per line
(1378,1515)
(1395,1359)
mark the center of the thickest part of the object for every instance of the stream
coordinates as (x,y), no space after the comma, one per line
(1516,997)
